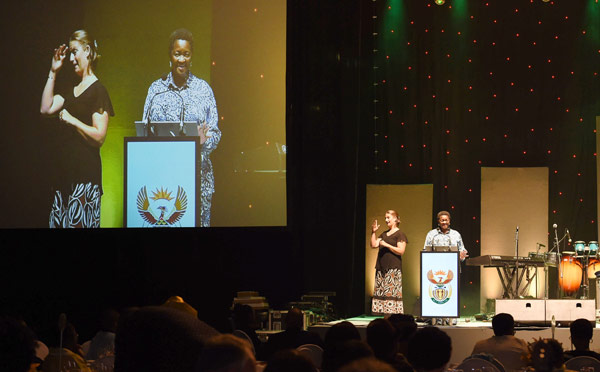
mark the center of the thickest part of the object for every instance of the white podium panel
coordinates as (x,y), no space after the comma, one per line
(161,182)
(440,284)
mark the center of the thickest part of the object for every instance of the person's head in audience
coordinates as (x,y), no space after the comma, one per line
(340,333)
(429,349)
(177,303)
(367,365)
(546,355)
(17,346)
(345,353)
(159,339)
(289,360)
(294,320)
(405,326)
(582,332)
(381,337)
(243,317)
(71,338)
(226,353)
(109,319)
(503,325)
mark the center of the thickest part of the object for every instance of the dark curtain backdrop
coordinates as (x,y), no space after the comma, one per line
(325,186)
(473,84)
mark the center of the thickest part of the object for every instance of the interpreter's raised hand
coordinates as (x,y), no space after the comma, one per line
(375,226)
(203,132)
(59,56)
(65,116)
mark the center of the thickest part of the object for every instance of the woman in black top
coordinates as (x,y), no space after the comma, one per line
(387,298)
(83,112)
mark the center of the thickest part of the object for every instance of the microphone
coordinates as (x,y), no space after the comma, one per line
(147,118)
(568,235)
(62,322)
(556,241)
(163,77)
(539,246)
(517,245)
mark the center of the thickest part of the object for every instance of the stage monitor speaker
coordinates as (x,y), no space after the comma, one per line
(524,311)
(567,310)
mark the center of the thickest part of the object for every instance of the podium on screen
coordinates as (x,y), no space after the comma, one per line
(162,182)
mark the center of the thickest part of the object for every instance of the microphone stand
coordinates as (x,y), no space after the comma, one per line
(517,282)
(585,261)
(539,246)
(558,258)
(149,127)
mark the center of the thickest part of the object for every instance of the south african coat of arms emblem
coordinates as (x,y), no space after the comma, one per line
(162,209)
(439,289)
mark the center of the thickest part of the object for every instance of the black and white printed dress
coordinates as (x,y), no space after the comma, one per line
(163,103)
(387,298)
(77,188)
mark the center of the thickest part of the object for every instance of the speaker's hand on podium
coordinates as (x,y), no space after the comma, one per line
(463,254)
(203,131)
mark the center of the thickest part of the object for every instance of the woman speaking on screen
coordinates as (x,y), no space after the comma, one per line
(83,112)
(164,103)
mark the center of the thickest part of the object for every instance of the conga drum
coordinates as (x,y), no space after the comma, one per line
(579,247)
(593,266)
(569,273)
(593,248)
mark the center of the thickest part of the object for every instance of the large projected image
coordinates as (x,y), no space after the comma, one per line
(211,69)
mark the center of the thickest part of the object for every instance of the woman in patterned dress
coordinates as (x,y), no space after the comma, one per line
(83,112)
(387,298)
(164,103)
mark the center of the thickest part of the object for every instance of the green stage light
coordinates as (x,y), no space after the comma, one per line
(440,2)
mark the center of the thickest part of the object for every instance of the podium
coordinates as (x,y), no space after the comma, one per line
(440,284)
(162,182)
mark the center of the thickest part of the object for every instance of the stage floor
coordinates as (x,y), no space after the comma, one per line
(466,333)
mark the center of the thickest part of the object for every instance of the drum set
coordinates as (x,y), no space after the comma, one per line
(576,268)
